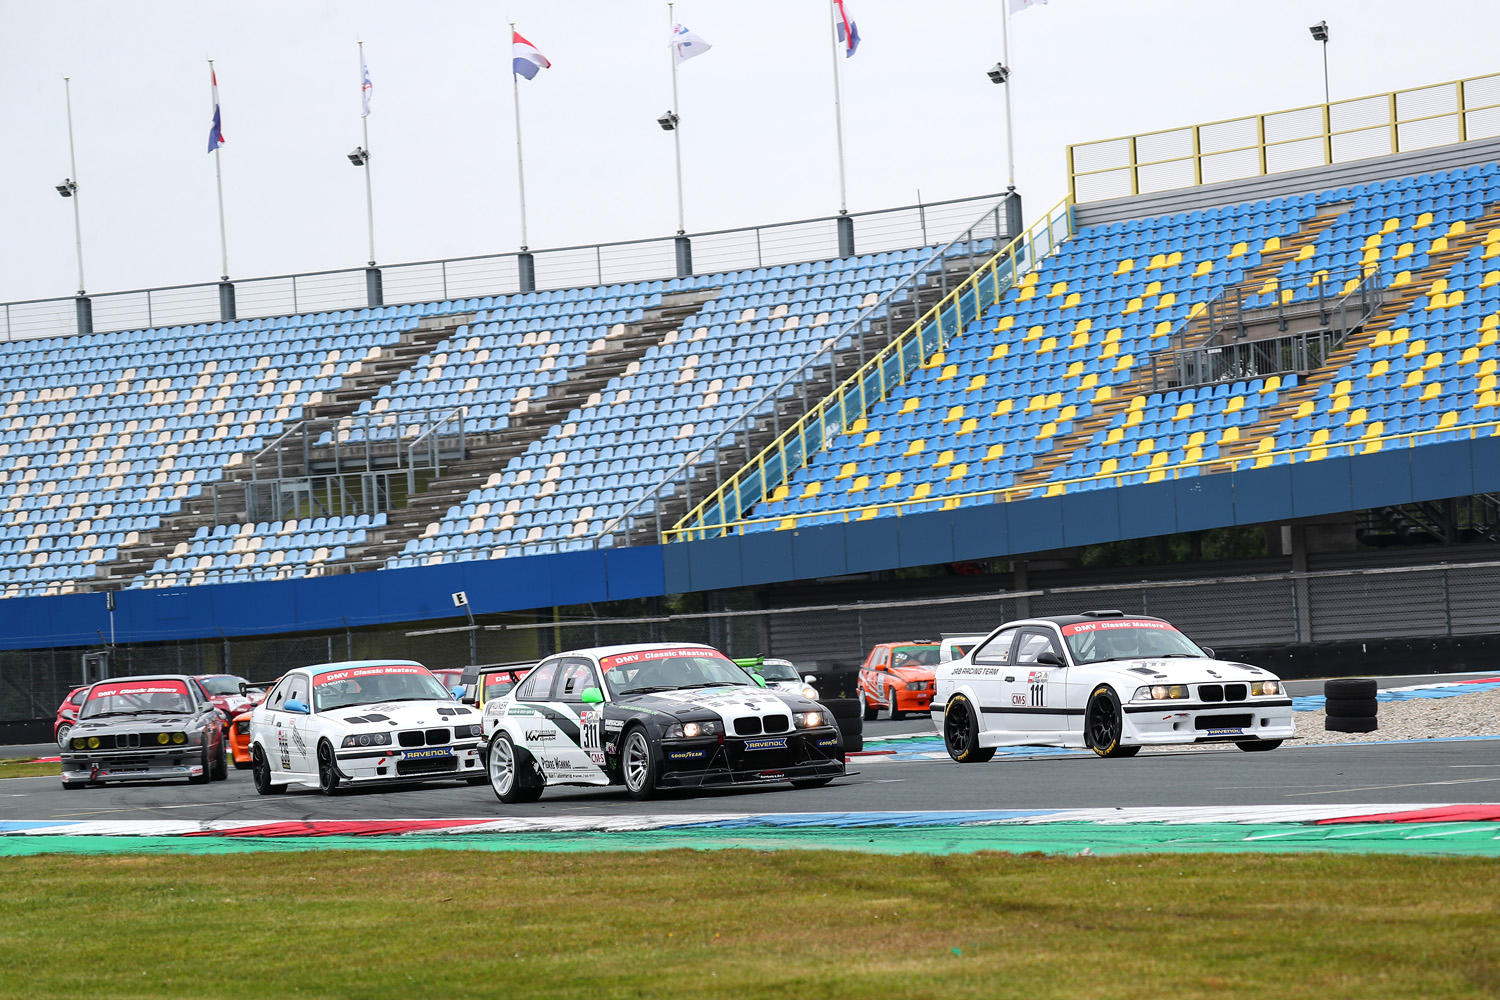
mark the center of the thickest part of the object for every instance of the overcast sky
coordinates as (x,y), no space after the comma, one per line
(758,122)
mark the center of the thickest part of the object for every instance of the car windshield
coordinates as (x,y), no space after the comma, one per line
(369,685)
(667,669)
(911,656)
(222,684)
(1093,642)
(131,697)
(779,670)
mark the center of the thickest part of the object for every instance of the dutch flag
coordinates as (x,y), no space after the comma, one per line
(216,132)
(526,58)
(848,31)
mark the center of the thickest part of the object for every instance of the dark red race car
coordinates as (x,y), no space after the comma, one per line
(226,691)
(67,713)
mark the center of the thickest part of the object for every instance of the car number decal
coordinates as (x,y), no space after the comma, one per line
(588,730)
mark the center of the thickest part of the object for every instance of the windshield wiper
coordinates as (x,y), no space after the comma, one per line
(651,690)
(712,684)
(1186,656)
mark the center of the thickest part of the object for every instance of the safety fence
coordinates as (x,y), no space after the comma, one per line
(1316,135)
(876,379)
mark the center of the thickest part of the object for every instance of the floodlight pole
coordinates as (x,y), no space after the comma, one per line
(365,122)
(1326,98)
(677,125)
(845,224)
(1010,141)
(73,177)
(515,88)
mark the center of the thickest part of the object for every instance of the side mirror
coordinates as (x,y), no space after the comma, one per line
(1208,651)
(293,705)
(810,679)
(759,680)
(470,700)
(1049,658)
(592,696)
(457,691)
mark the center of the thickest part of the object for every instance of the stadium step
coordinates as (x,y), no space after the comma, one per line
(1196,334)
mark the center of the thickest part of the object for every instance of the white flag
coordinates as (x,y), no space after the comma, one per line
(366,88)
(1016,6)
(686,44)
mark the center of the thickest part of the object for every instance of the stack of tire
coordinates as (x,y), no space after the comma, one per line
(1350,704)
(848,716)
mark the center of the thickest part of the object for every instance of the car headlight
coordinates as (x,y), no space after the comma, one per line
(810,693)
(1160,692)
(689,730)
(807,720)
(242,726)
(179,737)
(367,740)
(93,743)
(163,737)
(1265,687)
(80,743)
(466,732)
(917,685)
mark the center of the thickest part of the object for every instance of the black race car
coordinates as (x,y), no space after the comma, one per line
(142,729)
(653,716)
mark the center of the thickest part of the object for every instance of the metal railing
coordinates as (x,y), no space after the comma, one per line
(496,274)
(850,401)
(334,495)
(1316,135)
(1306,453)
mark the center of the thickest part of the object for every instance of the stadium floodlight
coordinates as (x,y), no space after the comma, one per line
(1320,34)
(67,187)
(359,157)
(668,120)
(998,73)
(1319,31)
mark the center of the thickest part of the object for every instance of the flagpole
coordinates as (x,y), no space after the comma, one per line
(365,122)
(838,113)
(1010,146)
(677,126)
(219,181)
(515,88)
(73,180)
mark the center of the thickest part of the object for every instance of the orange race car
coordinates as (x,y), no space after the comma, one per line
(898,676)
(239,725)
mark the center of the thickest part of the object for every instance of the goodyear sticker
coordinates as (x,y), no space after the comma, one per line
(828,742)
(776,744)
(419,754)
(686,754)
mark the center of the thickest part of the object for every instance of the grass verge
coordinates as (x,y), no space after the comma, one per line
(822,924)
(25,767)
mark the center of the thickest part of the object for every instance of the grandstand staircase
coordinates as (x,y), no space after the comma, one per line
(1197,333)
(373,374)
(1397,302)
(488,453)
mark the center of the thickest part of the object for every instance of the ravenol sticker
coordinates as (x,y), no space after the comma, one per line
(776,744)
(1226,732)
(420,754)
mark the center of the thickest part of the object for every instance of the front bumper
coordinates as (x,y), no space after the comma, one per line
(185,761)
(364,765)
(1158,723)
(913,701)
(738,760)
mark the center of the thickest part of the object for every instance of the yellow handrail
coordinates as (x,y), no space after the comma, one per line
(1050,488)
(1382,117)
(875,380)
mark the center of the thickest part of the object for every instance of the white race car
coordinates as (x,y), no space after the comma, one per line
(361,722)
(1106,681)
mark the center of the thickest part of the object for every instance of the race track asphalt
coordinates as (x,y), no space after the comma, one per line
(1421,772)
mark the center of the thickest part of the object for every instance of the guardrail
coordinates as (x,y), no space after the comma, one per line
(865,512)
(1312,136)
(876,378)
(886,229)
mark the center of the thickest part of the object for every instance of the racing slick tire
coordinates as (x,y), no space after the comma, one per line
(328,770)
(208,773)
(871,711)
(961,732)
(1340,724)
(810,782)
(261,772)
(848,718)
(1258,746)
(1103,724)
(1352,708)
(638,765)
(62,734)
(1351,688)
(506,767)
(221,765)
(242,765)
(896,713)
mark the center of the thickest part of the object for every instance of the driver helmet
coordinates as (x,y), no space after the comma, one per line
(1125,642)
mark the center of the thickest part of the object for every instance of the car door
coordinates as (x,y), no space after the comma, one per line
(576,676)
(1038,691)
(986,672)
(300,735)
(275,735)
(876,672)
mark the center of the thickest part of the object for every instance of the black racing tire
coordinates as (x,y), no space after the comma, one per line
(208,772)
(329,779)
(638,765)
(871,712)
(220,770)
(1258,746)
(811,782)
(242,765)
(260,769)
(1353,688)
(961,732)
(1104,723)
(1339,724)
(1352,708)
(506,768)
(73,786)
(896,713)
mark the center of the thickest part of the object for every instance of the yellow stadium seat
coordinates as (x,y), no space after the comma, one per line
(1404,251)
(1305,408)
(1074,370)
(871,438)
(1073,299)
(1084,326)
(1183,412)
(1161,329)
(1152,289)
(1271,384)
(936,361)
(1469,356)
(1054,400)
(1488,337)
(1320,436)
(1000,351)
(1125,266)
(1402,278)
(1037,402)
(1266,444)
(1082,339)
(859,484)
(968,426)
(1137,403)
(1432,390)
(996,451)
(1003,407)
(1491,251)
(1125,362)
(1067,413)
(1048,429)
(891,479)
(1027,294)
(1391,225)
(1031,278)
(1133,306)
(1455,298)
(1491,278)
(922,491)
(1229,434)
(957,472)
(1235,404)
(1486,400)
(1204,267)
(1437,301)
(1370,241)
(1114,335)
(1263,462)
(1448,419)
(948,372)
(1167,301)
(810,490)
(1371,447)
(1274,243)
(1195,309)
(1060,288)
(1115,435)
(1089,381)
(846,470)
(1158,460)
(1433,360)
(914,447)
(1110,350)
(1340,404)
(1108,466)
(1316,455)
(944,459)
(1047,345)
(780,492)
(785,523)
(1423,221)
(955,413)
(1006,322)
(1144,446)
(1197,439)
(950,504)
(1371,256)
(1380,367)
(1239,250)
(977,382)
(1055,490)
(857,427)
(1034,333)
(1357,417)
(1156,476)
(1413,377)
(1487,380)
(1306,252)
(1375,429)
(1438,245)
(912,405)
